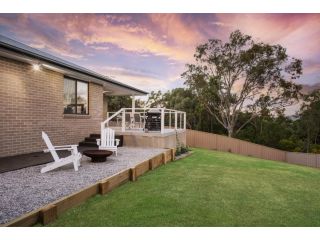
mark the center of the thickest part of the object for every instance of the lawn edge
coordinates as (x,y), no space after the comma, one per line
(49,213)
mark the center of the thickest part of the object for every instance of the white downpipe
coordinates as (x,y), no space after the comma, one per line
(101,129)
(162,120)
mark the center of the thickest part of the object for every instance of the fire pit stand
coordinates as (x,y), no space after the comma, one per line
(97,155)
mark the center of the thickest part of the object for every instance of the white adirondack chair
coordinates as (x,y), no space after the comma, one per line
(108,141)
(59,162)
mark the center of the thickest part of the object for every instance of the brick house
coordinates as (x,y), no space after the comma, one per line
(40,92)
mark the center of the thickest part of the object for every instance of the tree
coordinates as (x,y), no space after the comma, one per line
(183,100)
(309,122)
(155,99)
(242,76)
(115,103)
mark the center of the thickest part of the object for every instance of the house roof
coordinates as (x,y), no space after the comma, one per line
(20,48)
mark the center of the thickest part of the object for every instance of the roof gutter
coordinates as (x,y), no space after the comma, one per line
(65,65)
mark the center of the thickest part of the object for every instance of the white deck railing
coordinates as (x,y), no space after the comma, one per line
(129,119)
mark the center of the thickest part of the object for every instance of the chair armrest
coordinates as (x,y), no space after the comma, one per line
(57,149)
(66,146)
(98,142)
(117,142)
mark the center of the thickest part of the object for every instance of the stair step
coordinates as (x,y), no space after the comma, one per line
(94,135)
(88,144)
(90,139)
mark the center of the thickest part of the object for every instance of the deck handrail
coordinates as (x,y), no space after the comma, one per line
(124,111)
(103,124)
(165,109)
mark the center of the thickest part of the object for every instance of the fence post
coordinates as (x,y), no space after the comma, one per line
(48,214)
(132,173)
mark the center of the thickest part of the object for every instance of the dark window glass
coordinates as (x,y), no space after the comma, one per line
(69,96)
(82,98)
(75,97)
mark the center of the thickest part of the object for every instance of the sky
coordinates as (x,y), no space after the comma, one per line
(149,51)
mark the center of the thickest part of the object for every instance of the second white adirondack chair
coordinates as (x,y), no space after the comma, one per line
(59,162)
(108,141)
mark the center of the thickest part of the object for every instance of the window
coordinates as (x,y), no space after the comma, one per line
(75,97)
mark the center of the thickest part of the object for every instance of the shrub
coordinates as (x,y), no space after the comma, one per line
(178,151)
(292,145)
(315,148)
(183,150)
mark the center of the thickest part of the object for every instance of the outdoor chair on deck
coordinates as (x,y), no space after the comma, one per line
(108,141)
(59,162)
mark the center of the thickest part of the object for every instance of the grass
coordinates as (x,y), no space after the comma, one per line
(208,188)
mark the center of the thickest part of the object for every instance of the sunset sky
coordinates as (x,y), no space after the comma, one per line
(149,51)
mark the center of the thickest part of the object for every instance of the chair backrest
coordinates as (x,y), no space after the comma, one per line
(50,146)
(107,138)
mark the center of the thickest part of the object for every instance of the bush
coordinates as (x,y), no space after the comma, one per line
(297,149)
(178,151)
(292,145)
(315,148)
(184,150)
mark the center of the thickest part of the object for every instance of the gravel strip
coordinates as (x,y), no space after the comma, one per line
(24,190)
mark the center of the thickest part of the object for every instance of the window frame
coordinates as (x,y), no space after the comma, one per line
(76,96)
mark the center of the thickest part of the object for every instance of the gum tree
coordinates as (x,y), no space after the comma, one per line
(242,75)
(309,122)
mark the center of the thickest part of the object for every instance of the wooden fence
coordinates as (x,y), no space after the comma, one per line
(233,145)
(306,159)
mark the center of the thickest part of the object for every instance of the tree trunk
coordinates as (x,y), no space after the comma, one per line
(230,132)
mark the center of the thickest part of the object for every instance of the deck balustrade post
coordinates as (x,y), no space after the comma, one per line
(162,120)
(185,121)
(123,120)
(170,119)
(175,120)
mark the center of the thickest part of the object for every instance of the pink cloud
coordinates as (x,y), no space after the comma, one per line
(299,33)
(167,36)
(35,37)
(93,29)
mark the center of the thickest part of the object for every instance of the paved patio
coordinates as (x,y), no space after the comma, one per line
(24,190)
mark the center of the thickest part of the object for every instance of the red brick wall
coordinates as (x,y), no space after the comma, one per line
(32,101)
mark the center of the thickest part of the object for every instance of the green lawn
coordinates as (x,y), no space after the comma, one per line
(208,188)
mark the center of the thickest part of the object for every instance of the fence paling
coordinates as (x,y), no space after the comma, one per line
(303,159)
(226,144)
